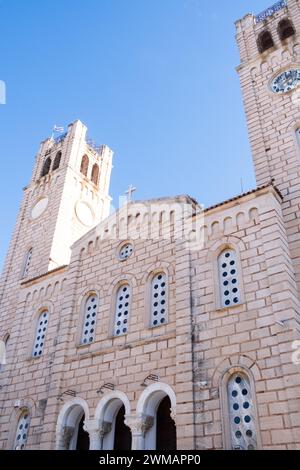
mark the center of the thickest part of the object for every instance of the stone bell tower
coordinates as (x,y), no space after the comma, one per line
(68,195)
(269,71)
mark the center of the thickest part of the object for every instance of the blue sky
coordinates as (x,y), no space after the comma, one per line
(153,79)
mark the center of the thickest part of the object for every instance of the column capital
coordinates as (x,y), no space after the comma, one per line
(139,424)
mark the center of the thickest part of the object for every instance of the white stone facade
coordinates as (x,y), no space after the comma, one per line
(67,250)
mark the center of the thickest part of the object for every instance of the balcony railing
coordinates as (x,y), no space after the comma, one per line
(270,11)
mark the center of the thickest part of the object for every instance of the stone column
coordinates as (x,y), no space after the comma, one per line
(97,431)
(139,425)
(91,426)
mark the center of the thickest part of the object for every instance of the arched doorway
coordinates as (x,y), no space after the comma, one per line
(83,441)
(122,439)
(165,426)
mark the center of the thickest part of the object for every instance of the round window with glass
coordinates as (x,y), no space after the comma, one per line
(125,251)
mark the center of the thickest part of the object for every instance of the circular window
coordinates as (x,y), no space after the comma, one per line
(125,251)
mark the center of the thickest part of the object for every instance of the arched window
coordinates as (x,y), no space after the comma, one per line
(95,174)
(22,431)
(298,136)
(265,41)
(241,413)
(40,334)
(122,312)
(27,262)
(158,299)
(84,168)
(228,278)
(90,318)
(46,167)
(285,29)
(3,350)
(57,160)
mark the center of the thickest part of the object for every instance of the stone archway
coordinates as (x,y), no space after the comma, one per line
(70,430)
(156,409)
(111,430)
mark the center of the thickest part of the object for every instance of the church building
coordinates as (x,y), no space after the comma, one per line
(163,325)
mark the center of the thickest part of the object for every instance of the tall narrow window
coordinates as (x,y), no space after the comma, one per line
(56,162)
(46,167)
(40,334)
(159,307)
(27,262)
(265,41)
(228,278)
(95,174)
(298,136)
(122,313)
(285,29)
(90,317)
(22,431)
(241,413)
(84,168)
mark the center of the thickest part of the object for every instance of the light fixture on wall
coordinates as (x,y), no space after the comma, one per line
(71,393)
(108,386)
(151,378)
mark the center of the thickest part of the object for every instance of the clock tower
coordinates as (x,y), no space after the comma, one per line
(66,197)
(269,72)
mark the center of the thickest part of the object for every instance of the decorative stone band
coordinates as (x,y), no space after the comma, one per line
(270,11)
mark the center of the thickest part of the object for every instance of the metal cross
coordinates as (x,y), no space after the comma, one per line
(129,193)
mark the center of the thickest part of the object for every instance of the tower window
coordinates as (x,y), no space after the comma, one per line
(56,161)
(46,167)
(22,431)
(241,413)
(40,334)
(265,41)
(27,262)
(285,29)
(122,312)
(84,168)
(90,317)
(95,174)
(158,296)
(126,251)
(228,278)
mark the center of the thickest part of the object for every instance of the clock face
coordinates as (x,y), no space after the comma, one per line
(85,213)
(39,208)
(286,81)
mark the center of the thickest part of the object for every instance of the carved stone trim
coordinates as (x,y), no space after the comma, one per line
(139,425)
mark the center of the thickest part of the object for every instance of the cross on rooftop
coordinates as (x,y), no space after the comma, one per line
(130,192)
